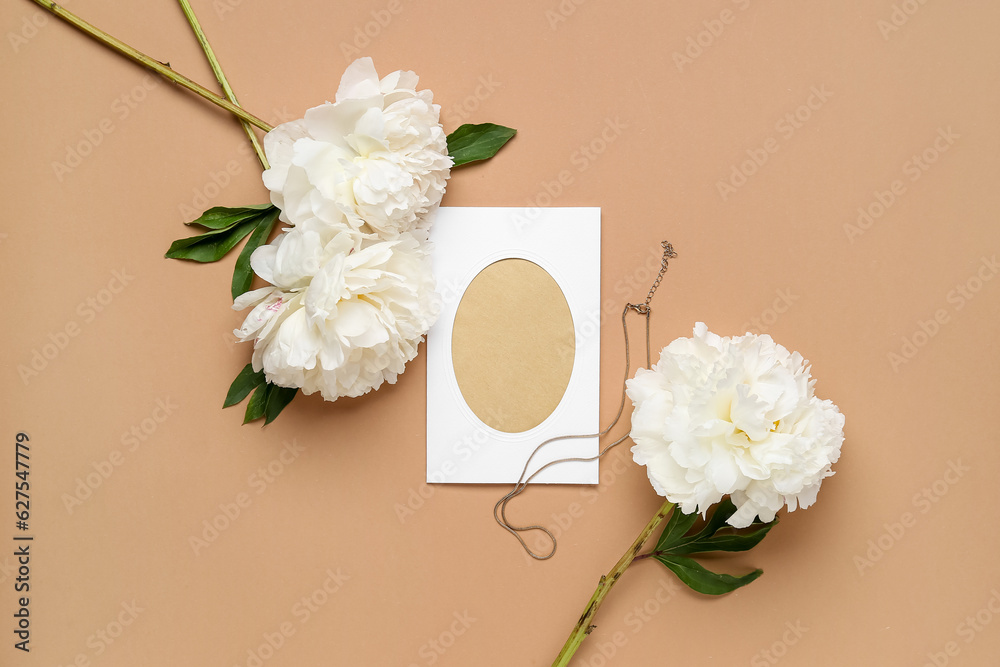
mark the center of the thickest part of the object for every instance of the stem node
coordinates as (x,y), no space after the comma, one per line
(584,626)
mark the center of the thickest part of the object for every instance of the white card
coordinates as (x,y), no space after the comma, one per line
(483,431)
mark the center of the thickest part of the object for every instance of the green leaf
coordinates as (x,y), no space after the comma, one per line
(255,406)
(244,383)
(702,580)
(277,399)
(678,524)
(723,511)
(735,541)
(222,217)
(268,401)
(227,227)
(210,246)
(708,539)
(470,143)
(242,273)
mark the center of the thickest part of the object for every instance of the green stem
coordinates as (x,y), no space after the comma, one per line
(221,77)
(146,61)
(583,627)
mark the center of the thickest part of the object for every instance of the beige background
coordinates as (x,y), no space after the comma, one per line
(512,323)
(658,138)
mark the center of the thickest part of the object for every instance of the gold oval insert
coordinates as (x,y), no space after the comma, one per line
(513,345)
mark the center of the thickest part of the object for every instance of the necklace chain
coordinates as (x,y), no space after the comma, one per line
(500,509)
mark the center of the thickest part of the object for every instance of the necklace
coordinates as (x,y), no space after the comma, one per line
(500,509)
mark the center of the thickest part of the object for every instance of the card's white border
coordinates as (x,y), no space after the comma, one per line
(565,242)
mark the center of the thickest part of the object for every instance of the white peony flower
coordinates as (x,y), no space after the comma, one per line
(346,310)
(736,416)
(378,156)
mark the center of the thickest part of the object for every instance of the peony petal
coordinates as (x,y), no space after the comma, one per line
(735,416)
(322,164)
(749,414)
(249,298)
(326,290)
(262,261)
(360,80)
(399,80)
(335,123)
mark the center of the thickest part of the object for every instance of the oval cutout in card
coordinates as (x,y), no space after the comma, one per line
(513,345)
